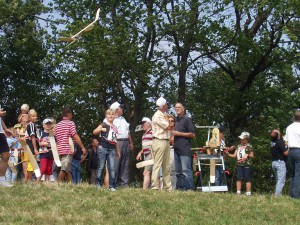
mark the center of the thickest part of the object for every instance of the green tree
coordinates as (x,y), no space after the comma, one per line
(25,75)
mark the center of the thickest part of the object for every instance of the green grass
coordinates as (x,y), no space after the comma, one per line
(83,204)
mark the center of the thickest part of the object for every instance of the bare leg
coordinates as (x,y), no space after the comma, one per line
(38,179)
(239,185)
(147,178)
(61,176)
(25,166)
(47,178)
(3,163)
(248,186)
(69,177)
(106,178)
(30,174)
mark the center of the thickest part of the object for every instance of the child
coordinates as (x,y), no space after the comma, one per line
(46,157)
(244,154)
(23,156)
(13,145)
(31,139)
(109,149)
(24,111)
(146,150)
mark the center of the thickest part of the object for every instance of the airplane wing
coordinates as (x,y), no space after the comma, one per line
(97,15)
(84,30)
(67,39)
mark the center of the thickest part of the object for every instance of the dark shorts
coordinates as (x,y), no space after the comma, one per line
(243,173)
(3,143)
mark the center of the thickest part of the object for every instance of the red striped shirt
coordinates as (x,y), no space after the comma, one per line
(62,131)
(146,142)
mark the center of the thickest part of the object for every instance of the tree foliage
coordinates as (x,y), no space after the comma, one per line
(232,62)
(25,76)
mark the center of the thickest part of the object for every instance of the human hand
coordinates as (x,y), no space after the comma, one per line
(84,152)
(118,155)
(8,133)
(175,133)
(139,156)
(131,147)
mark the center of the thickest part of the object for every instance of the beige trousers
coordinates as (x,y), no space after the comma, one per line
(161,157)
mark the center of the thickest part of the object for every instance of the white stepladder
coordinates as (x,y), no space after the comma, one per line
(212,160)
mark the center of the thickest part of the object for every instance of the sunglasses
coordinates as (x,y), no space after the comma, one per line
(171,121)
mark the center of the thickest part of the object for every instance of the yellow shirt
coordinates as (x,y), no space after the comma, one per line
(159,126)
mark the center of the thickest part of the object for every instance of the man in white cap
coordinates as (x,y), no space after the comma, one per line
(125,144)
(146,150)
(161,145)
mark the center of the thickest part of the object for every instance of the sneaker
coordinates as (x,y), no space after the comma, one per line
(4,183)
(238,192)
(248,193)
(112,189)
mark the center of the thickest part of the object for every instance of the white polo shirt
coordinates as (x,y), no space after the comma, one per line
(122,126)
(293,135)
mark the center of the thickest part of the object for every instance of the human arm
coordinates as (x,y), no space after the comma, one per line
(139,155)
(83,158)
(33,140)
(161,120)
(78,141)
(230,154)
(188,128)
(130,142)
(183,134)
(6,131)
(248,156)
(98,130)
(117,151)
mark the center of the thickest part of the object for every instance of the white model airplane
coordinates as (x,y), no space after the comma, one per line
(75,37)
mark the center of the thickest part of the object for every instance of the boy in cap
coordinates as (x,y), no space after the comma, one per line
(146,150)
(46,156)
(244,154)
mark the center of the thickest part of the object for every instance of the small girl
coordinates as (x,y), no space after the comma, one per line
(109,149)
(24,111)
(244,154)
(31,140)
(14,147)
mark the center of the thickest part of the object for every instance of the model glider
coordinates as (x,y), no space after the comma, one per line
(75,37)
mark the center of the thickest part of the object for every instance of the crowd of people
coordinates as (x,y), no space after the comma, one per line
(167,141)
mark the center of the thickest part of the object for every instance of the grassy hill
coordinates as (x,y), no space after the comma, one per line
(84,204)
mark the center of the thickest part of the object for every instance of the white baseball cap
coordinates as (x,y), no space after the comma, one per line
(146,120)
(161,102)
(115,106)
(244,135)
(47,120)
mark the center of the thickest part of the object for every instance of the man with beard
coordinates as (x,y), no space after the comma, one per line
(279,157)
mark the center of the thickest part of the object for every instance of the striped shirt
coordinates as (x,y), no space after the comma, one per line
(147,142)
(62,131)
(32,130)
(159,126)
